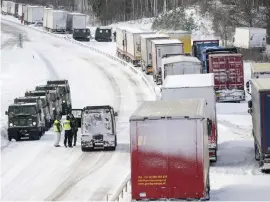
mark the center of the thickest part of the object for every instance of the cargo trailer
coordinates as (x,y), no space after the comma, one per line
(169,151)
(56,21)
(258,70)
(6,7)
(33,14)
(184,36)
(121,46)
(229,77)
(133,53)
(14,9)
(179,65)
(45,16)
(160,49)
(195,86)
(146,50)
(250,38)
(75,21)
(259,108)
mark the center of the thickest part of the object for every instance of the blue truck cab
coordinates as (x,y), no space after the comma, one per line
(197,46)
(259,108)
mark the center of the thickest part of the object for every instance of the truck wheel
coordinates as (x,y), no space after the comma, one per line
(83,149)
(35,136)
(257,155)
(18,138)
(9,138)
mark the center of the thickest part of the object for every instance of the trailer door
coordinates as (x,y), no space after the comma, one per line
(265,120)
(235,75)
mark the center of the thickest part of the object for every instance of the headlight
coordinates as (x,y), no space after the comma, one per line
(11,124)
(53,108)
(34,123)
(64,101)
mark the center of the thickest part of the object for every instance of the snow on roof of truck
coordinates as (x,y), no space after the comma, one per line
(167,41)
(74,13)
(261,67)
(250,28)
(24,104)
(189,80)
(193,108)
(261,84)
(35,6)
(137,31)
(149,36)
(180,58)
(175,31)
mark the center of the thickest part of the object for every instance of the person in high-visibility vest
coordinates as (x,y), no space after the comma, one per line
(57,128)
(67,125)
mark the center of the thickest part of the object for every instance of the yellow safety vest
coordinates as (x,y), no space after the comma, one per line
(55,129)
(66,125)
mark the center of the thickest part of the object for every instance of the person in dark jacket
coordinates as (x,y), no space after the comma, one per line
(67,125)
(74,128)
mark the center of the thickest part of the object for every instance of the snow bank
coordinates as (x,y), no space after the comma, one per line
(5,37)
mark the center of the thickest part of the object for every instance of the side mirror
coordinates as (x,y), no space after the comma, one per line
(250,104)
(123,43)
(39,111)
(6,113)
(209,127)
(68,91)
(58,98)
(250,111)
(115,113)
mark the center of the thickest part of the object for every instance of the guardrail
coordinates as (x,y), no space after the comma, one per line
(124,63)
(120,191)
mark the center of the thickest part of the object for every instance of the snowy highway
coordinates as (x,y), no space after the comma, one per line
(36,170)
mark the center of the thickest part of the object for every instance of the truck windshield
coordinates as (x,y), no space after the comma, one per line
(13,110)
(97,122)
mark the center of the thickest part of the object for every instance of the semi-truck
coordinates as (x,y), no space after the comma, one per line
(75,21)
(184,36)
(250,38)
(146,50)
(258,70)
(56,21)
(195,86)
(160,49)
(33,14)
(180,64)
(169,151)
(6,7)
(121,46)
(259,108)
(103,34)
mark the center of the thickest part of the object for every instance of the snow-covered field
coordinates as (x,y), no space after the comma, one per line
(235,176)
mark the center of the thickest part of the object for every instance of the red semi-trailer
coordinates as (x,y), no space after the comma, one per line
(169,151)
(228,72)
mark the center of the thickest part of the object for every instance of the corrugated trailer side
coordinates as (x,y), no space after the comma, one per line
(120,41)
(261,119)
(169,150)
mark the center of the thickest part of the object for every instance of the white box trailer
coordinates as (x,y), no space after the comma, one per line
(6,7)
(56,21)
(258,70)
(146,50)
(12,8)
(33,14)
(163,48)
(250,38)
(179,65)
(121,41)
(45,16)
(76,21)
(21,9)
(195,86)
(133,53)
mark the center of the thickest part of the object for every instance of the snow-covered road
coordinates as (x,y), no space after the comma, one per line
(35,170)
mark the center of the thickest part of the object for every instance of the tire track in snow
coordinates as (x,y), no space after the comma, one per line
(83,169)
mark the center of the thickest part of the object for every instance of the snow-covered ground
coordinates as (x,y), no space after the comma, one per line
(60,173)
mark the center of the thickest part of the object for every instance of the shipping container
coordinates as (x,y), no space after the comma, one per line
(76,21)
(45,17)
(133,53)
(180,64)
(229,76)
(260,111)
(163,48)
(169,147)
(198,45)
(250,37)
(33,14)
(56,20)
(146,50)
(121,42)
(184,36)
(195,86)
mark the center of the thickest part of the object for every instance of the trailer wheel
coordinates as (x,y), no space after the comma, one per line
(83,149)
(257,155)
